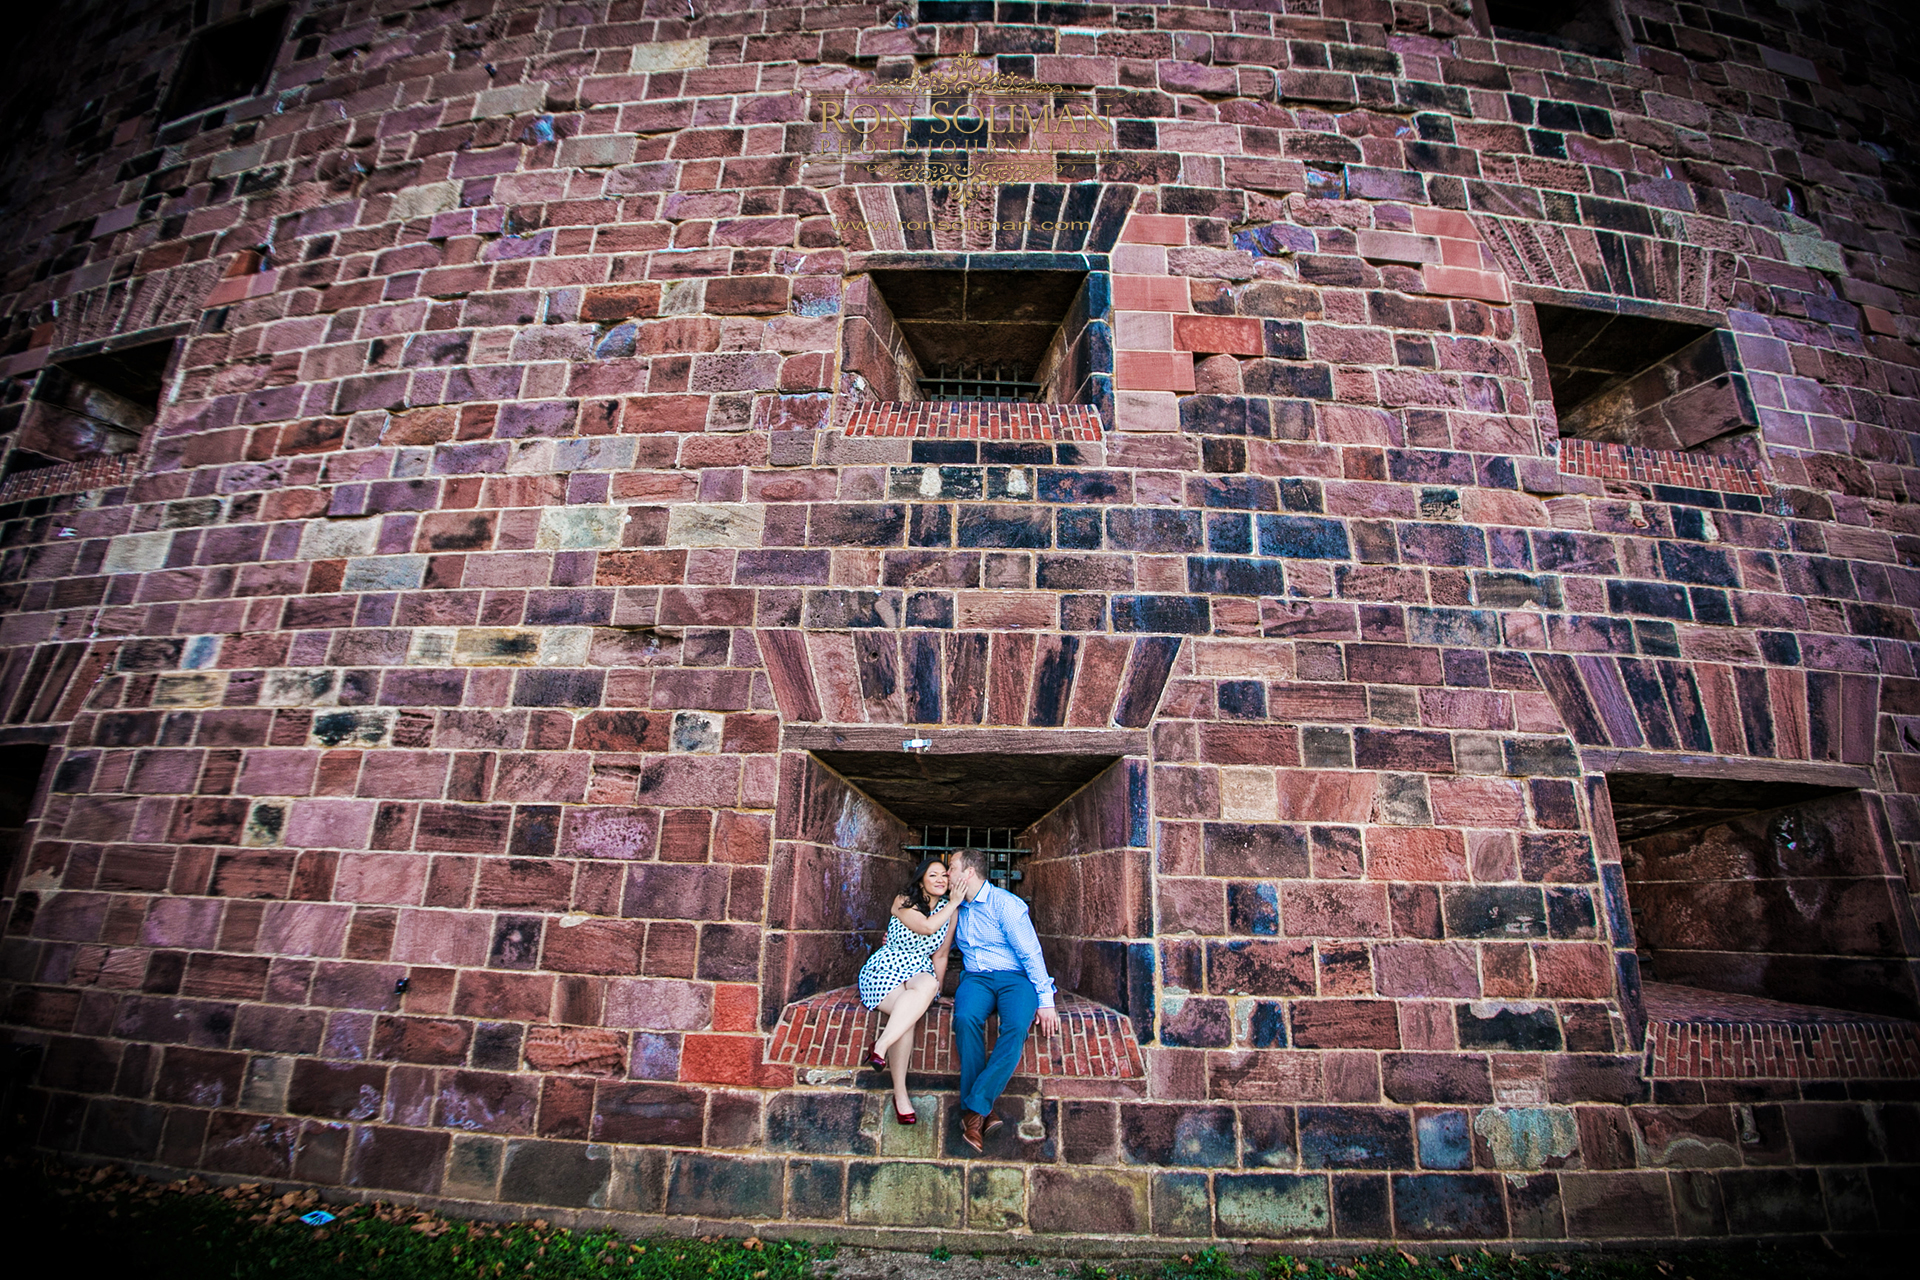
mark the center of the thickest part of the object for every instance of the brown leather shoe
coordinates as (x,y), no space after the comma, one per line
(970,1130)
(993,1125)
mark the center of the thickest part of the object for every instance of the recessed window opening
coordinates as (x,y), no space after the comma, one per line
(1644,381)
(1774,889)
(91,405)
(1581,26)
(20,767)
(982,801)
(232,60)
(968,334)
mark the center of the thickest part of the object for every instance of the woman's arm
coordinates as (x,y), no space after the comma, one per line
(940,956)
(919,921)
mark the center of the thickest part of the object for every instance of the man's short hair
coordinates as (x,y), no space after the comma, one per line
(971,858)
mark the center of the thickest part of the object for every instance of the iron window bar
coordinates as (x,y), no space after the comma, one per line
(996,842)
(979,382)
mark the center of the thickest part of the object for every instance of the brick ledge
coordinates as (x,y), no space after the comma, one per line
(1710,1035)
(975,420)
(1603,460)
(833,1029)
(69,477)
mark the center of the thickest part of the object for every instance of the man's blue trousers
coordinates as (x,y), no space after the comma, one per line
(1011,993)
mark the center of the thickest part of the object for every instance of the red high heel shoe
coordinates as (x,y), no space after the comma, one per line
(875,1061)
(905,1117)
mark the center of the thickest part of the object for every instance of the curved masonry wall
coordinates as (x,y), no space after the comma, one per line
(426,806)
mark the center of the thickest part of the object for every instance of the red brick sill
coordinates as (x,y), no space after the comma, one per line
(69,477)
(1604,461)
(833,1029)
(1712,1035)
(975,420)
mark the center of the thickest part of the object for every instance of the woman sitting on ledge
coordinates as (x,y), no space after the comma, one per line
(902,977)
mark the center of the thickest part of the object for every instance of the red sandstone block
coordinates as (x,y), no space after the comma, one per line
(652,413)
(525,882)
(1345,1024)
(1465,282)
(1415,853)
(594,946)
(1155,228)
(1189,905)
(1234,335)
(227,292)
(1150,293)
(748,295)
(1506,969)
(640,568)
(1429,221)
(1319,703)
(1477,802)
(1430,970)
(1249,744)
(1006,610)
(580,1051)
(685,835)
(1335,910)
(1153,370)
(618,302)
(1312,795)
(724,1059)
(523,997)
(1397,246)
(1393,664)
(742,838)
(1568,970)
(736,1006)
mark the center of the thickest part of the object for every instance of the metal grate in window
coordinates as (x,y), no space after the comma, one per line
(996,842)
(978,382)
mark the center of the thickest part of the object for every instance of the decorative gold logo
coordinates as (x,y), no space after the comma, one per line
(966,128)
(966,76)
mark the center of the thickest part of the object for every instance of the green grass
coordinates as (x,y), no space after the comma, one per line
(196,1231)
(1738,1262)
(193,1230)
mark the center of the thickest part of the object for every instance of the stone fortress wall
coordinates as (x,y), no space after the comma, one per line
(472,556)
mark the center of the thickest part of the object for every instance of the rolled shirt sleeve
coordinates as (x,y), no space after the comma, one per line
(1026,945)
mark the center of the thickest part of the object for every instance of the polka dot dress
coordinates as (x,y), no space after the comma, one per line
(901,956)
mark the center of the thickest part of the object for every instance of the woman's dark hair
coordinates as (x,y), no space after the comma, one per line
(915,891)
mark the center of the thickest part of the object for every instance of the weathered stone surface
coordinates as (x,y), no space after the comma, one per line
(710,1186)
(904,1194)
(1181,1205)
(568,1173)
(1527,1137)
(1448,1206)
(996,1198)
(1061,1200)
(1272,1205)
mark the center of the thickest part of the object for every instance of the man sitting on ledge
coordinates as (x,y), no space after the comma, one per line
(1005,973)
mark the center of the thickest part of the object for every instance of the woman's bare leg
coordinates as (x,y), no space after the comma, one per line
(904,1009)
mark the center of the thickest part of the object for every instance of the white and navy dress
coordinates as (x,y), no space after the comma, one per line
(904,954)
